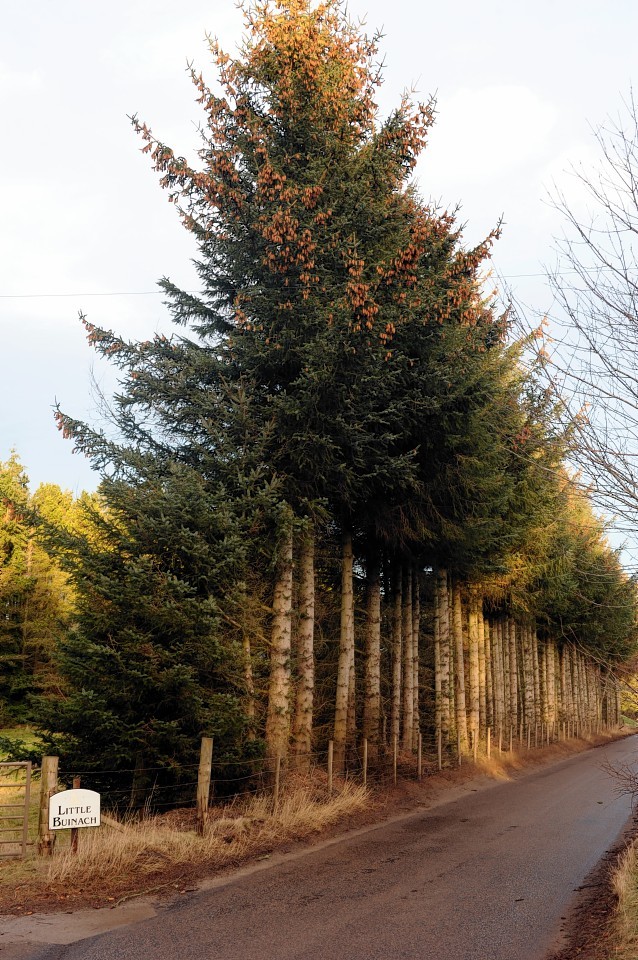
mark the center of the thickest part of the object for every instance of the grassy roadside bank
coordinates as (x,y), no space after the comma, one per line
(625,925)
(164,854)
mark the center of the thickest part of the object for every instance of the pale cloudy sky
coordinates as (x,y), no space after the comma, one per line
(84,225)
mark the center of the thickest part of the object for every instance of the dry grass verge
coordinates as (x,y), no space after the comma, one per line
(237,833)
(625,883)
(165,852)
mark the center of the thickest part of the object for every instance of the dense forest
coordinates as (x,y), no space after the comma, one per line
(336,504)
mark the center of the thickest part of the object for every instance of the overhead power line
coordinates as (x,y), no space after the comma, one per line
(155,293)
(120,293)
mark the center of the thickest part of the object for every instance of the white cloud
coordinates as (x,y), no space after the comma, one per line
(13,82)
(485,132)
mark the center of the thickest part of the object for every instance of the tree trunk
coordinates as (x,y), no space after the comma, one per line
(459,675)
(528,675)
(437,667)
(482,666)
(578,707)
(565,684)
(513,677)
(396,651)
(249,684)
(444,641)
(618,704)
(416,636)
(489,676)
(499,674)
(545,684)
(351,723)
(558,705)
(452,680)
(408,662)
(473,637)
(346,645)
(278,712)
(505,650)
(302,730)
(536,673)
(372,701)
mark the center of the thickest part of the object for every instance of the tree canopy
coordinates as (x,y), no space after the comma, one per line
(342,378)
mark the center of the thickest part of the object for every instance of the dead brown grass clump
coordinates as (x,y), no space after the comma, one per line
(243,830)
(626,889)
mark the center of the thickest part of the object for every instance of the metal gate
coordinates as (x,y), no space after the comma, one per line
(14,815)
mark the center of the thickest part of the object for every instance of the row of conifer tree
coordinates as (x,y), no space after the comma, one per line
(334,504)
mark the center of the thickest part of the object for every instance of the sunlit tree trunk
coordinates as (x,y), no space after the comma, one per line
(558,703)
(513,677)
(444,641)
(528,674)
(586,689)
(346,647)
(302,729)
(351,723)
(452,680)
(558,684)
(497,674)
(536,673)
(437,666)
(459,674)
(504,674)
(473,640)
(505,649)
(577,685)
(600,697)
(566,683)
(416,639)
(489,675)
(279,689)
(372,702)
(408,662)
(482,666)
(397,623)
(543,663)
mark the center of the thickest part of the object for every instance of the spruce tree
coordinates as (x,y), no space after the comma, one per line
(307,252)
(36,599)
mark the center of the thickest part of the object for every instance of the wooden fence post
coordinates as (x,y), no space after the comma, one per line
(203,783)
(48,786)
(330,757)
(74,830)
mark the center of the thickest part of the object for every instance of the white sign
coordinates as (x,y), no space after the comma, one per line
(74,808)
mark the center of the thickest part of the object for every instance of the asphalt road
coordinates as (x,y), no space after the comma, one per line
(486,877)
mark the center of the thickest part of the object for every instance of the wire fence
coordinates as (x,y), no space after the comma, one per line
(380,763)
(139,791)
